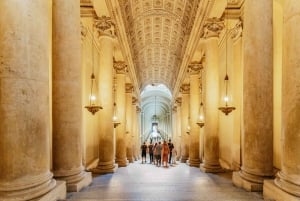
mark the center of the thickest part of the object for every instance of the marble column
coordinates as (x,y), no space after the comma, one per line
(25,54)
(178,102)
(257,123)
(66,96)
(129,151)
(105,39)
(287,182)
(194,70)
(185,90)
(121,159)
(213,27)
(134,129)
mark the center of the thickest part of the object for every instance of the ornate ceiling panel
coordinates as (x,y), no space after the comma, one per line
(158,31)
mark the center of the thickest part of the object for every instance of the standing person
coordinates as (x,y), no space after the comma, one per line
(171,147)
(150,149)
(165,153)
(158,154)
(144,152)
(154,152)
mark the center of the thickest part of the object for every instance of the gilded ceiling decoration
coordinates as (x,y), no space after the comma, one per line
(158,31)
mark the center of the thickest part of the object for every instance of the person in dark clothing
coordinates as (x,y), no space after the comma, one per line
(150,149)
(144,152)
(171,147)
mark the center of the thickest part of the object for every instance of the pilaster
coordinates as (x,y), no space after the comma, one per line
(185,135)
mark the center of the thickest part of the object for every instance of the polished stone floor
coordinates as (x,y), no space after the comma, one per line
(146,182)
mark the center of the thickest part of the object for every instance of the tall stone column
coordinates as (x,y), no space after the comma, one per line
(25,49)
(213,27)
(185,90)
(134,129)
(129,151)
(257,123)
(67,106)
(194,69)
(121,159)
(287,182)
(138,131)
(178,102)
(105,40)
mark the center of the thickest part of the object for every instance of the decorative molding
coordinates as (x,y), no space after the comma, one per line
(83,31)
(120,67)
(194,68)
(185,88)
(138,109)
(174,109)
(105,26)
(237,31)
(134,100)
(213,27)
(178,101)
(128,88)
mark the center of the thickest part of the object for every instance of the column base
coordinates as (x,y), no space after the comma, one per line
(131,160)
(211,168)
(75,187)
(245,184)
(184,159)
(105,169)
(58,193)
(194,162)
(272,192)
(122,162)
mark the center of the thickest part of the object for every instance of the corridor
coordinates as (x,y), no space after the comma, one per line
(145,182)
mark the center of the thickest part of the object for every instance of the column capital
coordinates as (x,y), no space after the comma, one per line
(120,67)
(237,30)
(83,31)
(185,88)
(194,68)
(134,100)
(174,108)
(213,27)
(128,88)
(178,101)
(105,26)
(138,109)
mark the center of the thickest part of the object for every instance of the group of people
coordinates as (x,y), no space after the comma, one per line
(159,153)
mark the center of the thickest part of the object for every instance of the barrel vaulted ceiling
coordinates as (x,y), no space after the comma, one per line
(159,38)
(158,31)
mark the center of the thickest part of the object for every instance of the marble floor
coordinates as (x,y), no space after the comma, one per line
(146,182)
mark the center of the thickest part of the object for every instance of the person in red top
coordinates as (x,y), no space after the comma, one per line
(165,153)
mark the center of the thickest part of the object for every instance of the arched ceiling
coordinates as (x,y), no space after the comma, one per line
(158,32)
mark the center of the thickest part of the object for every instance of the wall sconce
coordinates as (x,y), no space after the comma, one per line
(115,119)
(92,107)
(226,109)
(201,107)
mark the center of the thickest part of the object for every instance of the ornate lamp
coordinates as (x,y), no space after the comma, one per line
(226,109)
(115,119)
(201,111)
(92,107)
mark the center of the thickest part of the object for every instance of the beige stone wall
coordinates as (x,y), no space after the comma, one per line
(90,127)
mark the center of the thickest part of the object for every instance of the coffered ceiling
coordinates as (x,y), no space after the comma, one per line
(158,32)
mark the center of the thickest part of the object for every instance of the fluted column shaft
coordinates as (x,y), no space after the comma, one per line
(194,114)
(121,108)
(288,179)
(129,151)
(24,106)
(257,133)
(67,106)
(184,124)
(211,99)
